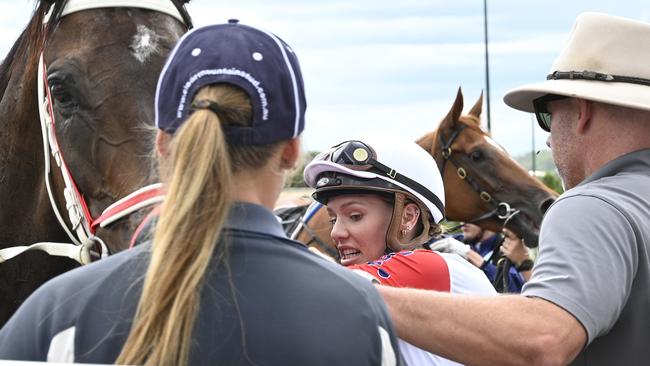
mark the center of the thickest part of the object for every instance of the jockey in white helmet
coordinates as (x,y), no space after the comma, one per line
(385,198)
(375,165)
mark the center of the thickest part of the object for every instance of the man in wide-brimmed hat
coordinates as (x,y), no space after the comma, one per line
(589,296)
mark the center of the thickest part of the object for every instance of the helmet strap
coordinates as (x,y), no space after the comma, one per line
(424,236)
(394,241)
(393,233)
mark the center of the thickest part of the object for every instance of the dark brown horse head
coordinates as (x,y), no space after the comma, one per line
(102,68)
(483,184)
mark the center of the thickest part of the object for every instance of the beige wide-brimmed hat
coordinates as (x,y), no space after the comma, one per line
(607,59)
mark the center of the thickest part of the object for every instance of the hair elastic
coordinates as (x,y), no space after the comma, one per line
(206,104)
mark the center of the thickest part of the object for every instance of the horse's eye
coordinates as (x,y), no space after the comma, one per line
(477,155)
(59,94)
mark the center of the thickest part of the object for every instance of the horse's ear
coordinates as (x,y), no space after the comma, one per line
(477,108)
(454,114)
(427,142)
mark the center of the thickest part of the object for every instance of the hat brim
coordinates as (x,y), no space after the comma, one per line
(616,93)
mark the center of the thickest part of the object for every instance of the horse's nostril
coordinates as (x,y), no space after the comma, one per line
(543,207)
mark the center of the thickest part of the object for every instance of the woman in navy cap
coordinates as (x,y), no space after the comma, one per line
(218,283)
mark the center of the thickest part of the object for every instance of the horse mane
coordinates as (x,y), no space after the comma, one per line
(469,119)
(30,42)
(473,122)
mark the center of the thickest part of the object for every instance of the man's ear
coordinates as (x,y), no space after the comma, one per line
(290,154)
(162,143)
(585,114)
(410,216)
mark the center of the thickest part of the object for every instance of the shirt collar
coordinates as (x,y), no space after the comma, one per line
(253,218)
(637,161)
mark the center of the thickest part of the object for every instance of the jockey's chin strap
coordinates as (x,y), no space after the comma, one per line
(83,224)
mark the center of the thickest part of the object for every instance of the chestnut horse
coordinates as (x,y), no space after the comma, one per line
(88,71)
(483,184)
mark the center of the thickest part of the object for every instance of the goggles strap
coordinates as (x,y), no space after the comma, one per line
(409,183)
(392,235)
(394,242)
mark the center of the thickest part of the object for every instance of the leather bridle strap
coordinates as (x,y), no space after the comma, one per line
(320,244)
(83,224)
(502,209)
(448,155)
(173,8)
(446,146)
(303,225)
(143,197)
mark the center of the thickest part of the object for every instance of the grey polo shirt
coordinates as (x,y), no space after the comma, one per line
(279,305)
(594,262)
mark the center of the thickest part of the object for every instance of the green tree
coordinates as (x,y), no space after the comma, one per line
(553,181)
(296,179)
(543,160)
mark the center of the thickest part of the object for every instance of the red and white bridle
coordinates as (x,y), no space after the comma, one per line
(82,232)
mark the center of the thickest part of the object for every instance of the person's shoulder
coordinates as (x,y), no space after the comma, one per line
(603,202)
(60,302)
(296,258)
(114,263)
(75,287)
(331,270)
(424,257)
(613,187)
(421,268)
(304,269)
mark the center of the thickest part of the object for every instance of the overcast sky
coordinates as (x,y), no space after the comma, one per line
(395,66)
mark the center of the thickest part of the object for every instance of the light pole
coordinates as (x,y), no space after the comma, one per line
(487,67)
(532,151)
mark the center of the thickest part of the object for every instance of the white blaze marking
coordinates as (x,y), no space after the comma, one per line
(490,141)
(145,43)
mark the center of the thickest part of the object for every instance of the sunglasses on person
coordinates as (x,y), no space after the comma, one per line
(357,155)
(541,111)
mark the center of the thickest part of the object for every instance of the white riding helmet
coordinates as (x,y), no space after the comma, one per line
(384,165)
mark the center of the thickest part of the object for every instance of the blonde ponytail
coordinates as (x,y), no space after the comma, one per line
(199,169)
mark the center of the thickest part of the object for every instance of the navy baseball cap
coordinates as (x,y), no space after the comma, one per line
(257,61)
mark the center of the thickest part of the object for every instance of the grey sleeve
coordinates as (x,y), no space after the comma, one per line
(587,261)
